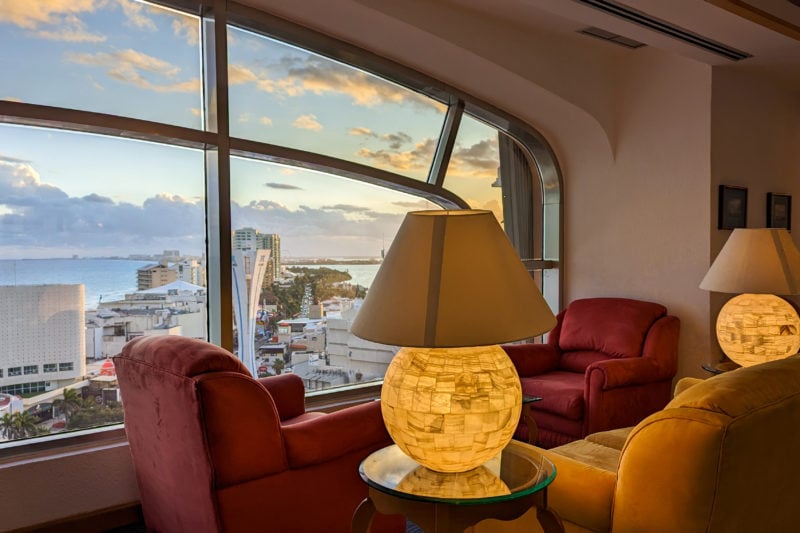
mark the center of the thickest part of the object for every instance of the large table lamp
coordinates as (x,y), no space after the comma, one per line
(450,289)
(757,326)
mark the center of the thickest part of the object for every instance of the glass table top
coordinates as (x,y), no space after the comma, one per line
(516,472)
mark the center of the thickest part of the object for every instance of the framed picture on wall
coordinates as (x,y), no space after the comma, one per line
(779,211)
(732,207)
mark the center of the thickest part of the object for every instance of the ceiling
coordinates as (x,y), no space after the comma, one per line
(766,31)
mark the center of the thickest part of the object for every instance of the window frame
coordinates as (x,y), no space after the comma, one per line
(219,147)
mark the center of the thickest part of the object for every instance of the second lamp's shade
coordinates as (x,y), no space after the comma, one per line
(449,279)
(757,261)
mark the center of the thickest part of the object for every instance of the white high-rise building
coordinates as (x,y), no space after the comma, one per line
(249,268)
(41,337)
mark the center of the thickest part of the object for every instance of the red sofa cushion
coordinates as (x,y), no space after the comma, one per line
(613,326)
(561,392)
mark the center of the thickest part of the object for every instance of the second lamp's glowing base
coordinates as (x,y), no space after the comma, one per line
(756,328)
(451,409)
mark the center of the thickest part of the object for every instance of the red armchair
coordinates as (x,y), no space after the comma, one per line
(216,450)
(608,363)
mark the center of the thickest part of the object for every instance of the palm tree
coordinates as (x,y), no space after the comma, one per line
(70,403)
(278,365)
(25,425)
(19,425)
(7,426)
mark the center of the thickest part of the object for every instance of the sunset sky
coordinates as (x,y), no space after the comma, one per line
(67,193)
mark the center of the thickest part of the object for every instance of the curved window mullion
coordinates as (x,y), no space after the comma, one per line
(344,168)
(444,147)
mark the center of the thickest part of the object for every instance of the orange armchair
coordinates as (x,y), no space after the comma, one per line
(216,450)
(608,363)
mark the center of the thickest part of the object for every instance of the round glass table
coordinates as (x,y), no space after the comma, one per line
(503,488)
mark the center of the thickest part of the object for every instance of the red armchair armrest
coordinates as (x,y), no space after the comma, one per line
(532,359)
(289,394)
(613,373)
(325,438)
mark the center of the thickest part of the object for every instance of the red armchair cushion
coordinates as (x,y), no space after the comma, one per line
(561,392)
(614,326)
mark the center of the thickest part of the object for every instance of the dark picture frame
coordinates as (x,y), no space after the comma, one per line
(732,207)
(779,211)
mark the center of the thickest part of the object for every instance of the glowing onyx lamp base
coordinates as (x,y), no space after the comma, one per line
(756,328)
(451,409)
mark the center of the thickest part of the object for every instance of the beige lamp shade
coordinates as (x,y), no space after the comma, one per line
(449,290)
(756,326)
(452,278)
(761,261)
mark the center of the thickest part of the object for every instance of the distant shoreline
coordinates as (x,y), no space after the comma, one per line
(309,261)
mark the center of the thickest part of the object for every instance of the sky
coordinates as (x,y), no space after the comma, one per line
(66,193)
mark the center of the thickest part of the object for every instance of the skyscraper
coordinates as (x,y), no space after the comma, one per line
(250,239)
(249,267)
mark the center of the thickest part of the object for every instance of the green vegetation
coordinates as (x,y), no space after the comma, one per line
(325,283)
(20,426)
(92,415)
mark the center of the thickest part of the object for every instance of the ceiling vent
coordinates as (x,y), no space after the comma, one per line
(665,28)
(610,37)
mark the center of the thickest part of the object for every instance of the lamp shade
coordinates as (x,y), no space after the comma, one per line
(757,261)
(452,279)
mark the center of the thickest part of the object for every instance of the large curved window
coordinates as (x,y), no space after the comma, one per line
(134,201)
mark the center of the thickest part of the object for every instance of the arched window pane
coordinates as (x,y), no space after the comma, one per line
(291,97)
(474,169)
(123,58)
(96,250)
(324,238)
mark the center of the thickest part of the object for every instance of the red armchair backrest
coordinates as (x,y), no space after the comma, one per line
(194,418)
(595,329)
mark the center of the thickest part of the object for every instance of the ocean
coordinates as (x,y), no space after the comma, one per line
(111,279)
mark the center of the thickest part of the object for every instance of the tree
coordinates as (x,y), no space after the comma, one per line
(20,425)
(278,365)
(70,403)
(7,426)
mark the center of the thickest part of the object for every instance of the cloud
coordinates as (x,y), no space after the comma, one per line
(319,232)
(296,75)
(71,30)
(136,18)
(307,122)
(132,67)
(284,186)
(416,205)
(395,141)
(244,117)
(186,28)
(98,199)
(478,160)
(195,111)
(238,74)
(416,159)
(265,121)
(12,99)
(366,132)
(30,15)
(38,219)
(37,216)
(347,208)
